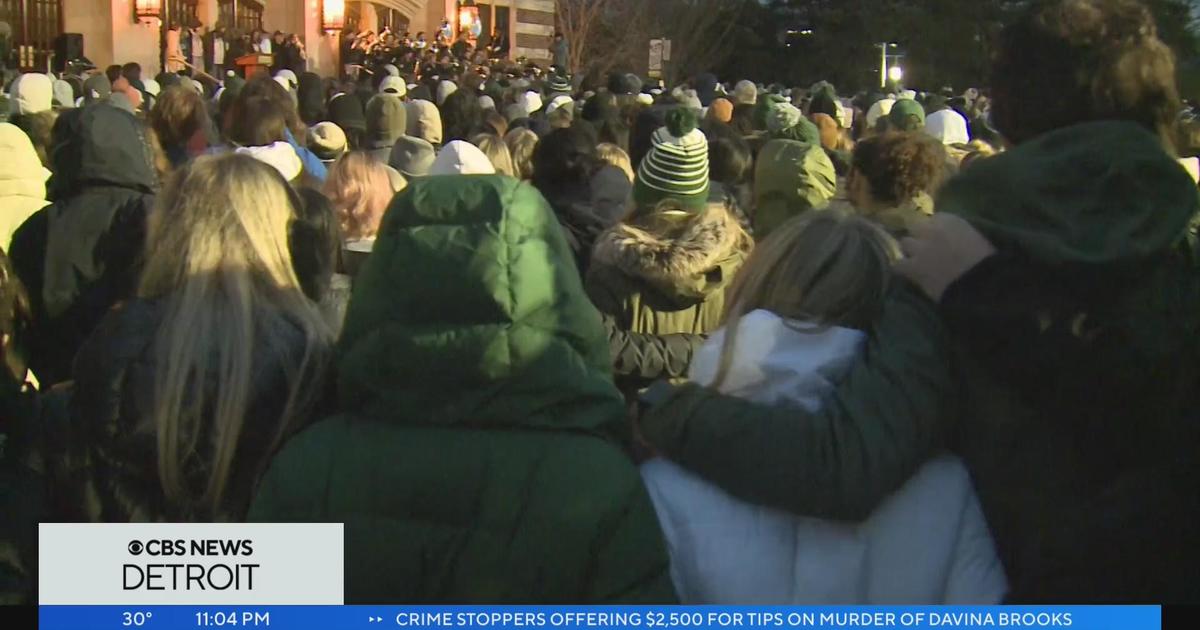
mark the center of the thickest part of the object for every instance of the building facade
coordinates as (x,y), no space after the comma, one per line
(112,35)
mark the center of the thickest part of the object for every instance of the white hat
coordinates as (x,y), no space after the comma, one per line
(561,100)
(461,158)
(531,101)
(487,102)
(32,94)
(948,126)
(290,77)
(444,90)
(151,87)
(394,86)
(880,109)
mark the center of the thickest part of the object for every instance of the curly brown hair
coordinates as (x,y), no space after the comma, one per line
(1065,62)
(898,165)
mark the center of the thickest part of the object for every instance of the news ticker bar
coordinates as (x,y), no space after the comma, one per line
(603,617)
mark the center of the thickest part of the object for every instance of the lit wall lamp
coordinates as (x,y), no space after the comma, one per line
(468,15)
(333,15)
(145,10)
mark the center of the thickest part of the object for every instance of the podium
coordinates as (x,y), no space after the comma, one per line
(255,63)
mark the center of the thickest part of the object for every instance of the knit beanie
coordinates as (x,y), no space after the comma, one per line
(444,90)
(387,120)
(676,167)
(559,84)
(64,95)
(785,121)
(32,93)
(412,157)
(347,112)
(721,110)
(745,92)
(461,158)
(532,101)
(907,115)
(327,141)
(486,102)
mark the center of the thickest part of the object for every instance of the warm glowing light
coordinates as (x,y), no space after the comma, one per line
(468,14)
(895,73)
(333,15)
(147,9)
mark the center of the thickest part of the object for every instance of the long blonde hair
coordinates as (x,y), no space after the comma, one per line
(615,156)
(217,255)
(823,268)
(496,151)
(521,143)
(360,190)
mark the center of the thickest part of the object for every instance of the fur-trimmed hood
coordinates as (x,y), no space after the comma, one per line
(682,255)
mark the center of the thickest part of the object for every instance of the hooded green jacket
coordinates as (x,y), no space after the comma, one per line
(790,178)
(478,456)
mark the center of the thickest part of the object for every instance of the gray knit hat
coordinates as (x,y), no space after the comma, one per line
(677,165)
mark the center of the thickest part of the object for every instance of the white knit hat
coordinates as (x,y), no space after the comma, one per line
(461,158)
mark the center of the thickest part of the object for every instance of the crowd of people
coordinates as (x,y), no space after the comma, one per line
(543,338)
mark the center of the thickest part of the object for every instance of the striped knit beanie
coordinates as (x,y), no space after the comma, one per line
(676,167)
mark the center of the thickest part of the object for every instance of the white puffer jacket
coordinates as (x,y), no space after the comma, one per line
(927,544)
(22,181)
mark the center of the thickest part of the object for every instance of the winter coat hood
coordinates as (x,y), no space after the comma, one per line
(425,121)
(495,332)
(1095,194)
(279,155)
(32,93)
(698,259)
(387,119)
(790,178)
(100,145)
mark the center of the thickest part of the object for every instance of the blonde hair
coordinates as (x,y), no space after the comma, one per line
(823,268)
(616,156)
(521,143)
(217,256)
(497,151)
(360,190)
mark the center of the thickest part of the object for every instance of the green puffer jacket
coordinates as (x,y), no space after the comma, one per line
(790,178)
(478,456)
(670,277)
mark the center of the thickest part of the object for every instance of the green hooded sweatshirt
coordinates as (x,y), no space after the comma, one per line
(790,178)
(478,454)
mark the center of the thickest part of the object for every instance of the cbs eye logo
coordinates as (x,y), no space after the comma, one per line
(157,547)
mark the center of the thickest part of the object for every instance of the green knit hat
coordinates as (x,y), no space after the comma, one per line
(677,165)
(786,122)
(907,115)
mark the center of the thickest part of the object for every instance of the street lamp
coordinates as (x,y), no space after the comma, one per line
(884,70)
(895,73)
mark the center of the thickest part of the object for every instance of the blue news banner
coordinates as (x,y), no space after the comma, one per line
(597,617)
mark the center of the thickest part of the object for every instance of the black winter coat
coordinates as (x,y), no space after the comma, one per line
(82,254)
(104,455)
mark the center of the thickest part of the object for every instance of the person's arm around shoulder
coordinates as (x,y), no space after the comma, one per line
(890,413)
